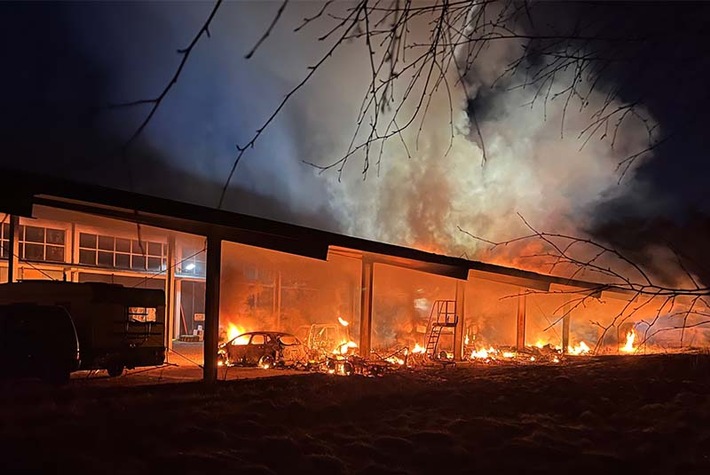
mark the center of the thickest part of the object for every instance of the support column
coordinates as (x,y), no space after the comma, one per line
(277,300)
(170,293)
(522,308)
(212,285)
(366,293)
(13,248)
(460,330)
(567,309)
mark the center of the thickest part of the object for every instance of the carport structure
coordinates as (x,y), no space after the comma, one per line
(30,191)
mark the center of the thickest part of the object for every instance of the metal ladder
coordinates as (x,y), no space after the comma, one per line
(443,315)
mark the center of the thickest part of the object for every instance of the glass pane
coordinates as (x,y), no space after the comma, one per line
(123,261)
(154,263)
(5,230)
(241,340)
(106,259)
(138,262)
(289,340)
(87,257)
(87,240)
(257,340)
(34,252)
(55,253)
(5,249)
(136,247)
(123,245)
(55,236)
(106,243)
(200,268)
(155,249)
(34,234)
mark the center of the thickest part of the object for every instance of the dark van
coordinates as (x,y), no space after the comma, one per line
(37,341)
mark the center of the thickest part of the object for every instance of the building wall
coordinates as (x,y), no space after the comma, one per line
(65,245)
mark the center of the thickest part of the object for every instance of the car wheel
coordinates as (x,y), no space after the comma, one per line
(115,370)
(266,362)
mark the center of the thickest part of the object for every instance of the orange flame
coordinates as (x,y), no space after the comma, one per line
(629,346)
(418,349)
(345,347)
(580,349)
(234,331)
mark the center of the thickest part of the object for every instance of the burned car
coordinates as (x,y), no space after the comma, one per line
(264,349)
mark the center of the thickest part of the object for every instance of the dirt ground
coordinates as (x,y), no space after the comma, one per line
(640,414)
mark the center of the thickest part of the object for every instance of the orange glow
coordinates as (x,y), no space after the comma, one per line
(418,349)
(580,349)
(234,331)
(629,346)
(345,347)
(483,354)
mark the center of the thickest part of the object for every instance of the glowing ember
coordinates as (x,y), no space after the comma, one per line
(579,349)
(629,346)
(345,347)
(344,323)
(466,340)
(418,349)
(508,354)
(395,360)
(483,354)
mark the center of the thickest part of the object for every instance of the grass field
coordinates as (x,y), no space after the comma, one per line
(640,414)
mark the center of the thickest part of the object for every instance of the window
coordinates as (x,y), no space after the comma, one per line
(192,261)
(241,340)
(35,243)
(141,314)
(121,253)
(4,240)
(258,340)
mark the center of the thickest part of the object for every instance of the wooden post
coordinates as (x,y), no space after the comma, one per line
(212,286)
(459,332)
(520,336)
(366,293)
(567,308)
(170,293)
(13,258)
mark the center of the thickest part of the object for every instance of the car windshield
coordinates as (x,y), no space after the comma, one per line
(288,340)
(241,340)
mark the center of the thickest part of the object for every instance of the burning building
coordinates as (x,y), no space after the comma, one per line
(225,274)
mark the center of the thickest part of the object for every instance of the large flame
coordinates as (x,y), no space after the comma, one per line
(234,331)
(579,349)
(629,346)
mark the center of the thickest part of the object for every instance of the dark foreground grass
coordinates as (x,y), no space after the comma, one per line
(610,415)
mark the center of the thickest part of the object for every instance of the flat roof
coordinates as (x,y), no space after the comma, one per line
(29,189)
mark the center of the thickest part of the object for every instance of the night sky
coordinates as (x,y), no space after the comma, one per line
(65,63)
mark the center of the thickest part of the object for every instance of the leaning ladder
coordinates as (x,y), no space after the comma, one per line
(443,315)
